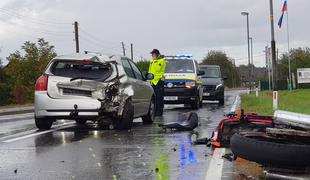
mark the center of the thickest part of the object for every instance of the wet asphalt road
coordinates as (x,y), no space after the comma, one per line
(84,152)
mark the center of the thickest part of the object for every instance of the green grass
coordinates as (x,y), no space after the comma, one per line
(294,101)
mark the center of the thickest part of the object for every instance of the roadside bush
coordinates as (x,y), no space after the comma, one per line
(4,94)
(25,67)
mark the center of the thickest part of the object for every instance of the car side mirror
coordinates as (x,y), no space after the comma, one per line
(201,73)
(225,78)
(149,76)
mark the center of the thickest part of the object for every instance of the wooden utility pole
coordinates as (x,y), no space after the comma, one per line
(76,32)
(131,50)
(124,50)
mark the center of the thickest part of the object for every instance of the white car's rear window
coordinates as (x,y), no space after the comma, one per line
(81,69)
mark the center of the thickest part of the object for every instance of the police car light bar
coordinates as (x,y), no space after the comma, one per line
(180,56)
(184,55)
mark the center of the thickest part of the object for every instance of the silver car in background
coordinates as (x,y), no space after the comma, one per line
(107,89)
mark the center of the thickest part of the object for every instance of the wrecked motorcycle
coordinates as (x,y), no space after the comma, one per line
(282,140)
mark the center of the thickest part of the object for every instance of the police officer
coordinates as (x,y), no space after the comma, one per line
(157,67)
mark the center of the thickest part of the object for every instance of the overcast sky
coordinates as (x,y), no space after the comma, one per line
(172,26)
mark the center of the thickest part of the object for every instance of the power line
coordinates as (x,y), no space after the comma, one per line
(97,38)
(34,20)
(245,58)
(96,44)
(36,28)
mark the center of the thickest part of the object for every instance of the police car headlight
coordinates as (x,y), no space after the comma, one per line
(190,84)
(218,86)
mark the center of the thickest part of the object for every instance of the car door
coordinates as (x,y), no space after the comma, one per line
(143,90)
(136,98)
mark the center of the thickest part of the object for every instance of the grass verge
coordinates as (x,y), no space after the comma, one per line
(294,101)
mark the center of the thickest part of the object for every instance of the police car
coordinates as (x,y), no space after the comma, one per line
(183,81)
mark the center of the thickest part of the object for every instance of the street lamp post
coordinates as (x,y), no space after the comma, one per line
(252,59)
(273,49)
(248,37)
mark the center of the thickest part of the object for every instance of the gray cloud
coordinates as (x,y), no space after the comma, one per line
(173,26)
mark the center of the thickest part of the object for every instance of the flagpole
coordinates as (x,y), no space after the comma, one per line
(288,48)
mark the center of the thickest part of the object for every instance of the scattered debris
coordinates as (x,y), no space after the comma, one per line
(62,161)
(204,141)
(229,156)
(184,122)
(15,171)
(174,149)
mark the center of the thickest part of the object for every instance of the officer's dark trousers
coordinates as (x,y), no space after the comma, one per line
(159,93)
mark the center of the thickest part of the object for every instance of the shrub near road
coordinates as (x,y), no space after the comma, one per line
(294,101)
(24,68)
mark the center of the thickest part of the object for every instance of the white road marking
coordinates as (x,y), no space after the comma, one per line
(56,128)
(236,104)
(216,165)
(215,170)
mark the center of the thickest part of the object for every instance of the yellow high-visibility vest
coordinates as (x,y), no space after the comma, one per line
(157,67)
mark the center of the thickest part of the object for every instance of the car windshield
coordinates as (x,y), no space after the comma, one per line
(179,66)
(81,69)
(211,72)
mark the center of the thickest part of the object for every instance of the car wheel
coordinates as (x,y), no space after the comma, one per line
(221,99)
(43,123)
(125,121)
(81,121)
(149,118)
(196,103)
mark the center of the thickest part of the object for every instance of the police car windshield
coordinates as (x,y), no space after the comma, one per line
(179,66)
(211,72)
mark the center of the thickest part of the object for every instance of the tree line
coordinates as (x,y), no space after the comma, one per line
(18,77)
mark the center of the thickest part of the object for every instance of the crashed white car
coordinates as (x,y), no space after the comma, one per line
(107,89)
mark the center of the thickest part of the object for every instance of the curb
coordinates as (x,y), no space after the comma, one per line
(17,110)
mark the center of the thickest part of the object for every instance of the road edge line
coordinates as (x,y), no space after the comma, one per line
(59,127)
(215,170)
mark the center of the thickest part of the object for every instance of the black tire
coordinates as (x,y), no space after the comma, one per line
(44,123)
(270,151)
(196,103)
(221,101)
(81,121)
(126,120)
(149,118)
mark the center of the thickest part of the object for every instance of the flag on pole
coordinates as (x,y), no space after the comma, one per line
(284,9)
(281,20)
